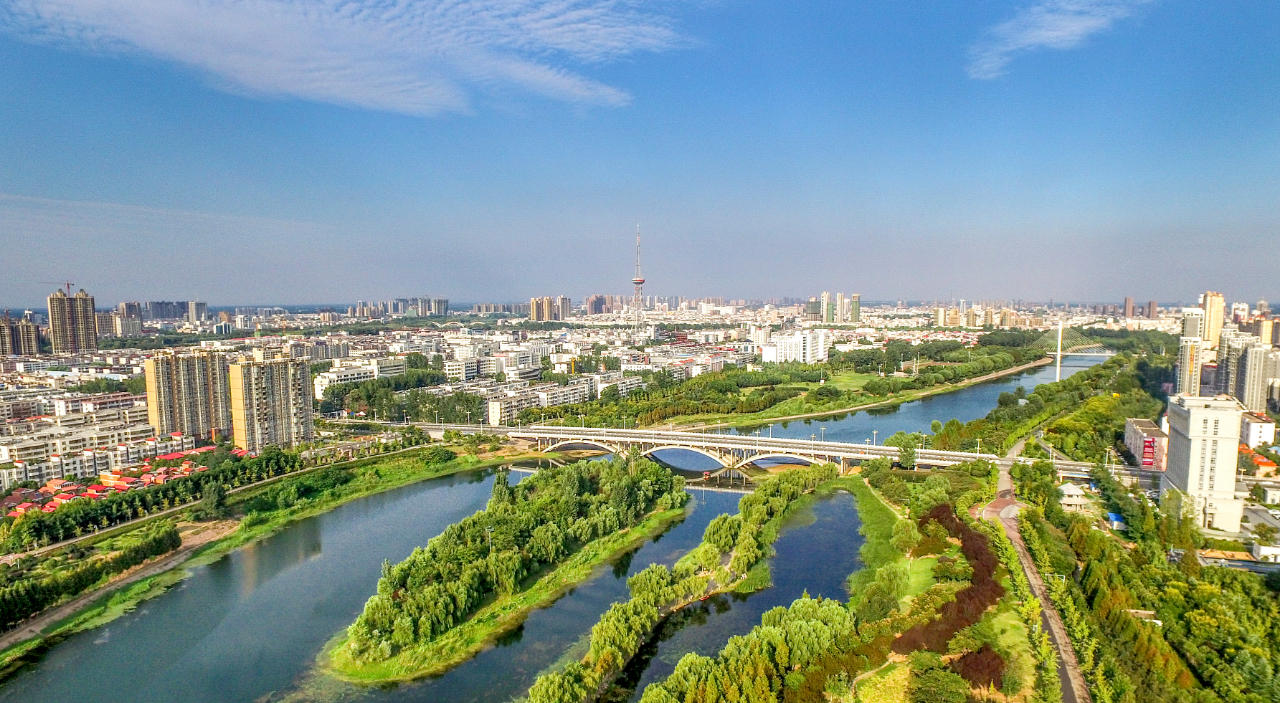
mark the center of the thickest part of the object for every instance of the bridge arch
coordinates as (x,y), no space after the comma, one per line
(776,455)
(588,442)
(704,452)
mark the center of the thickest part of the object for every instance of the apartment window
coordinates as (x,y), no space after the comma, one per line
(1203,448)
(1215,427)
(1204,426)
(1213,461)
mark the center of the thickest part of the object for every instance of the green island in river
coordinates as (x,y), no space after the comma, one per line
(257,511)
(484,574)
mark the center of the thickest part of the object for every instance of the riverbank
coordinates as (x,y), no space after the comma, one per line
(491,622)
(763,417)
(97,605)
(90,610)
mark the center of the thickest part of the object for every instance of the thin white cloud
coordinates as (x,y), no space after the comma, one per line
(417,57)
(1052,24)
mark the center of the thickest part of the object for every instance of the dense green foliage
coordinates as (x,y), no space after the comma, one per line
(383,395)
(24,596)
(732,391)
(80,516)
(538,522)
(657,590)
(136,385)
(1220,638)
(1136,379)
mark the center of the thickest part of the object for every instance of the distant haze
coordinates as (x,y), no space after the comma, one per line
(1027,149)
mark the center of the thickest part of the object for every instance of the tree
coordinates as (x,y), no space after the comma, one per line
(905,536)
(213,502)
(1264,533)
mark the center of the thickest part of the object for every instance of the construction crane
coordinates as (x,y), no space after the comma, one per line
(58,283)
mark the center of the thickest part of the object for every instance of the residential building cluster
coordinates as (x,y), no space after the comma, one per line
(1228,373)
(57,491)
(257,400)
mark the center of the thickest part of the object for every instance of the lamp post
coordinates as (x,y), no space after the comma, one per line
(489,531)
(824,432)
(873,437)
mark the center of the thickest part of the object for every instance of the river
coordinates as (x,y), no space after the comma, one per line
(964,405)
(249,626)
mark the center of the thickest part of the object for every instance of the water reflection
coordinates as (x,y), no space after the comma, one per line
(816,551)
(878,423)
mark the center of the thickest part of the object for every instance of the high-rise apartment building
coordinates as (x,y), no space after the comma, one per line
(1254,374)
(543,309)
(73,326)
(564,307)
(1153,310)
(131,311)
(828,310)
(188,392)
(271,403)
(1190,359)
(1204,434)
(197,311)
(841,308)
(1193,322)
(855,308)
(1128,307)
(1214,306)
(166,310)
(18,337)
(1231,346)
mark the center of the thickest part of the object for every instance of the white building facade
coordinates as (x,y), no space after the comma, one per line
(1204,434)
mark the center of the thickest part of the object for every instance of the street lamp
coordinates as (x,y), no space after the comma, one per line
(824,432)
(873,436)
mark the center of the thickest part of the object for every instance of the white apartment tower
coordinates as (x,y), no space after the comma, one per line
(271,403)
(1203,437)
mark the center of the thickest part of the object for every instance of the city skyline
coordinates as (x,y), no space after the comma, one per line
(912,152)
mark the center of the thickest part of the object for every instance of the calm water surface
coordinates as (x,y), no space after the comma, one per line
(248,627)
(916,416)
(816,552)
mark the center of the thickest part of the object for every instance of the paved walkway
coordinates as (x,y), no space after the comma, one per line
(1005,510)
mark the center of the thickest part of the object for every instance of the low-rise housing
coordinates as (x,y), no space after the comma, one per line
(1257,429)
(1148,444)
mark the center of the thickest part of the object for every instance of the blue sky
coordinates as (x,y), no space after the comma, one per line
(291,151)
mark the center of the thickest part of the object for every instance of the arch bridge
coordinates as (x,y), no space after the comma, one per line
(733,452)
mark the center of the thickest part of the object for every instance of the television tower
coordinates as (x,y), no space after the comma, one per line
(637,301)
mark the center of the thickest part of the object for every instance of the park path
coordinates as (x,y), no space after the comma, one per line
(1004,509)
(192,540)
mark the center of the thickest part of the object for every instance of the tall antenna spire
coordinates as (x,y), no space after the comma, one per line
(637,301)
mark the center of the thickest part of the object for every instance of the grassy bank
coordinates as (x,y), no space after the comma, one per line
(496,618)
(799,408)
(371,475)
